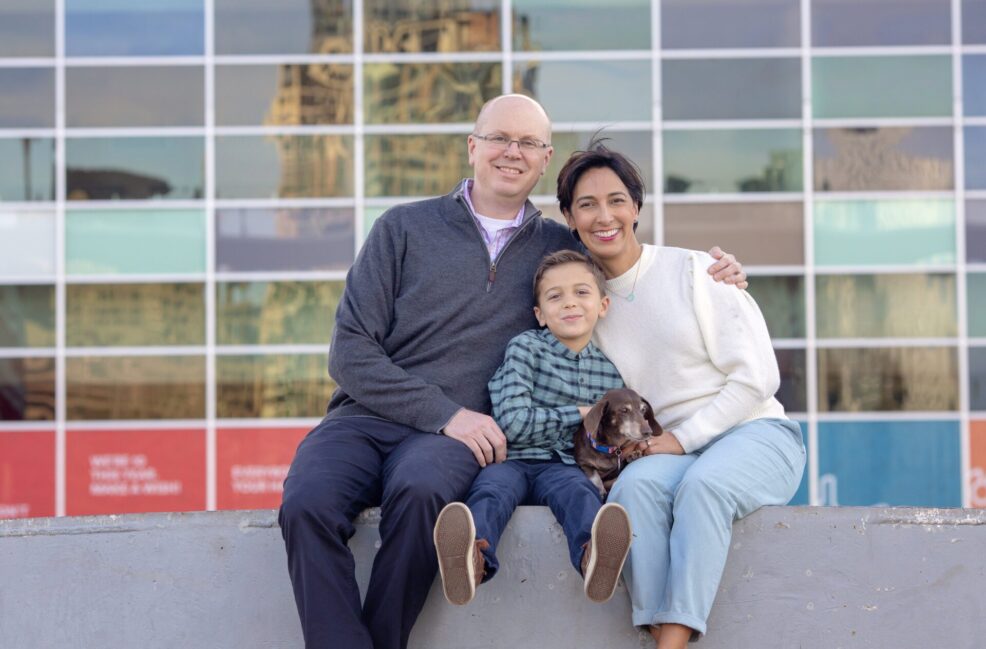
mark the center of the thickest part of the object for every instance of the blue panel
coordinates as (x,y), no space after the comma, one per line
(124,28)
(801,497)
(975,157)
(889,463)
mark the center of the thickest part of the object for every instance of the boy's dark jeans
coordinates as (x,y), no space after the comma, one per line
(564,488)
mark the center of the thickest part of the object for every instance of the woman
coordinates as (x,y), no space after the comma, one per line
(700,353)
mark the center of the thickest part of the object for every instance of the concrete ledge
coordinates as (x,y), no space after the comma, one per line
(796,577)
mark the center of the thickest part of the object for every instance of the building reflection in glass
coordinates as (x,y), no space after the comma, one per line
(436,26)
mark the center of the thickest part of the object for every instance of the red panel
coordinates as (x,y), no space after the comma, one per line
(977,463)
(124,471)
(251,464)
(27,474)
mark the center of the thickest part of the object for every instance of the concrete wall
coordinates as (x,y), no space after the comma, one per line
(796,578)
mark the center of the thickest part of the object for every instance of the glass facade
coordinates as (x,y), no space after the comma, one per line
(183,186)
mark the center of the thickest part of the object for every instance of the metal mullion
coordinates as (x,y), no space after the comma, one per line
(657,121)
(507,48)
(60,290)
(211,450)
(359,126)
(733,53)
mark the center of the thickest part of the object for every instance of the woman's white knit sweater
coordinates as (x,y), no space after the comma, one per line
(697,350)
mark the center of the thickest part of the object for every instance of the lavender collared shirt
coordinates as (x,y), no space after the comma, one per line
(495,241)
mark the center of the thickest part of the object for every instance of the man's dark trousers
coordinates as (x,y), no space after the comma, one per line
(343,466)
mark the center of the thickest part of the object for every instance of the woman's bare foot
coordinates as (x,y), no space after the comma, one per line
(674,636)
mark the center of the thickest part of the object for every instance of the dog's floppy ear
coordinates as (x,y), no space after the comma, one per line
(595,416)
(649,416)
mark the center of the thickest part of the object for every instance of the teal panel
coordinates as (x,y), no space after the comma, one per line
(878,86)
(884,232)
(134,242)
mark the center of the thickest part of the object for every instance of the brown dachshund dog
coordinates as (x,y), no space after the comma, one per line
(604,441)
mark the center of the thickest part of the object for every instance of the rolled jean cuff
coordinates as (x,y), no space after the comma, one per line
(645,618)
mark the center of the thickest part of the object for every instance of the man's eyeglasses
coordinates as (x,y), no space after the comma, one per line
(500,141)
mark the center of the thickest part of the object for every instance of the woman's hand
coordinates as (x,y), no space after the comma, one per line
(727,269)
(664,443)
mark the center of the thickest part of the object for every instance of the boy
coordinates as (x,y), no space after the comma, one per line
(548,381)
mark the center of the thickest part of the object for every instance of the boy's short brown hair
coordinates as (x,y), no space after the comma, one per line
(568,257)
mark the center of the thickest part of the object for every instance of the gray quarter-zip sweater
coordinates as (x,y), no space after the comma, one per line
(426,315)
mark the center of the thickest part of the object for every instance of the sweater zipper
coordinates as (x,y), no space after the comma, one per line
(492,276)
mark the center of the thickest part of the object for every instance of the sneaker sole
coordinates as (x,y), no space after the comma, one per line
(455,540)
(609,545)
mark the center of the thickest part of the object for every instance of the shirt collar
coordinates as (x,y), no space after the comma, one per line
(589,351)
(467,194)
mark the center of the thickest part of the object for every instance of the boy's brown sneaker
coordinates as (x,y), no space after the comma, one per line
(460,560)
(607,550)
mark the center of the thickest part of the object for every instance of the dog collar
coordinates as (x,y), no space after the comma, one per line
(602,448)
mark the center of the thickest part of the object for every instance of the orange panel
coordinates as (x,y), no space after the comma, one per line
(124,471)
(27,474)
(251,464)
(977,463)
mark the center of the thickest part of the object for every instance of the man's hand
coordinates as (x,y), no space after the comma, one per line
(480,433)
(727,269)
(664,443)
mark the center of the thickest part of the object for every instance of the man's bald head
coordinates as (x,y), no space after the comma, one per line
(515,102)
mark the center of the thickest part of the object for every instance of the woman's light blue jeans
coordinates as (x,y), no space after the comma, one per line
(682,509)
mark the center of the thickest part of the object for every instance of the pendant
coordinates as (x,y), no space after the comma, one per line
(629,298)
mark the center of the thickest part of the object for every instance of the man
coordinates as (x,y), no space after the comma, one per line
(435,294)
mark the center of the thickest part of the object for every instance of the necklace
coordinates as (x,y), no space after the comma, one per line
(629,297)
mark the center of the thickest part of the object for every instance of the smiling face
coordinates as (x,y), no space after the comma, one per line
(603,213)
(505,177)
(570,303)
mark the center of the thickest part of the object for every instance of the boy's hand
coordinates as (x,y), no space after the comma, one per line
(480,433)
(727,269)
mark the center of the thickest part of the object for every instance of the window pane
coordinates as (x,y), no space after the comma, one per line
(136,315)
(135,168)
(975,157)
(150,27)
(27,389)
(884,232)
(637,145)
(27,28)
(884,159)
(887,379)
(976,303)
(27,464)
(782,301)
(876,306)
(428,92)
(450,26)
(730,23)
(27,316)
(719,89)
(272,386)
(882,86)
(27,243)
(134,96)
(276,313)
(414,165)
(28,97)
(975,231)
(283,239)
(974,84)
(914,463)
(135,387)
(284,27)
(620,90)
(284,166)
(251,464)
(977,378)
(132,242)
(757,233)
(973,22)
(28,169)
(843,23)
(581,25)
(761,160)
(793,393)
(288,94)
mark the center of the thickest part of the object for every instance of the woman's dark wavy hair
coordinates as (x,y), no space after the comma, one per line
(597,155)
